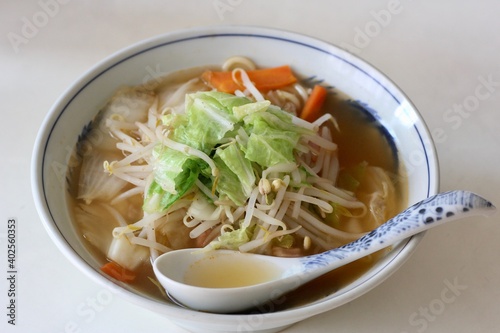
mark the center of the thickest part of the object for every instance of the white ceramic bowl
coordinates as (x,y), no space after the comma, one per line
(212,45)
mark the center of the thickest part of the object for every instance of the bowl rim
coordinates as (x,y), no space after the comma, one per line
(301,312)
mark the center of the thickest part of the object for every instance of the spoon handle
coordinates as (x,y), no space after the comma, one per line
(433,211)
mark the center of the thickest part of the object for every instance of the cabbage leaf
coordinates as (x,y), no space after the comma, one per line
(234,159)
(208,118)
(211,124)
(267,144)
(232,240)
(175,174)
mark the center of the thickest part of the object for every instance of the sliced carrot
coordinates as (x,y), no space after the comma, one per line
(118,272)
(312,108)
(263,79)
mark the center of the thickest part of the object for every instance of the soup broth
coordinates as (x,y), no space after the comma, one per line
(361,142)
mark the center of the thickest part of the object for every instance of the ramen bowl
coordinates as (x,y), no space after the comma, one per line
(145,62)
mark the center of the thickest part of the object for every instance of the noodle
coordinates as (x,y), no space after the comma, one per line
(238,62)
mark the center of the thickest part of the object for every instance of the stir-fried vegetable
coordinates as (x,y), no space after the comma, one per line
(257,137)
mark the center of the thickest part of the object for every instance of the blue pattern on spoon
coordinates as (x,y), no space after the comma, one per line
(434,210)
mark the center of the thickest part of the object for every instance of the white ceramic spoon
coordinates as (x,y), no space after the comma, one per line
(264,278)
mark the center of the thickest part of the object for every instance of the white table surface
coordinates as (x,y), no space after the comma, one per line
(443,54)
